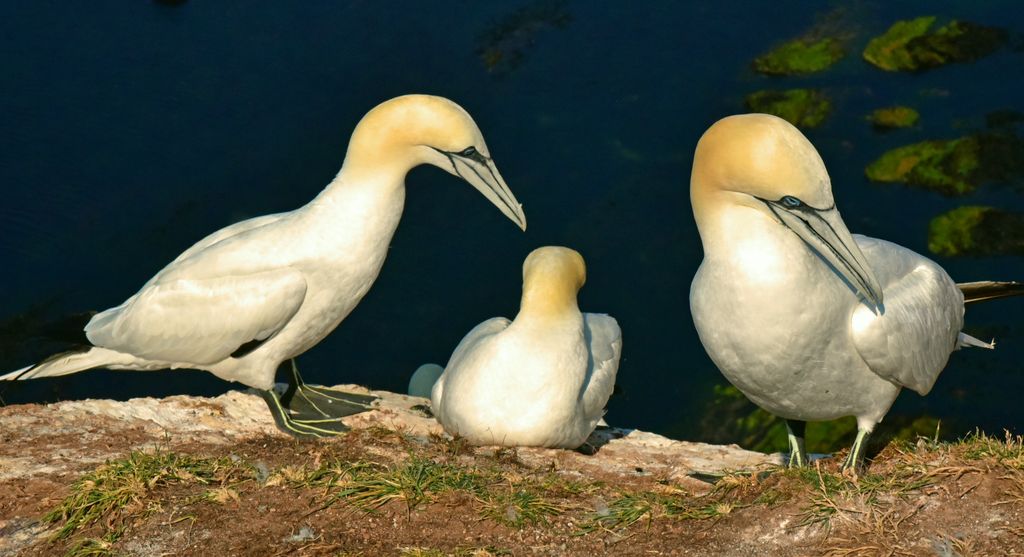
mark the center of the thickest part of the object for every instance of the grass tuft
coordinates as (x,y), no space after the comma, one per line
(519,507)
(368,485)
(117,493)
(621,513)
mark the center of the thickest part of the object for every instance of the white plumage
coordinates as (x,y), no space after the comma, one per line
(250,296)
(808,321)
(542,379)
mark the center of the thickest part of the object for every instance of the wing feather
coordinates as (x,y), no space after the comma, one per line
(604,342)
(225,233)
(201,321)
(910,342)
(473,338)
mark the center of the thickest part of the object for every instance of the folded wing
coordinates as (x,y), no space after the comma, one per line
(470,342)
(189,321)
(910,342)
(604,342)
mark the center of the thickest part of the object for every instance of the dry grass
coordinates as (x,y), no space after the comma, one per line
(890,510)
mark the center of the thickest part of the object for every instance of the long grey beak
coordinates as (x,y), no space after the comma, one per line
(824,232)
(481,173)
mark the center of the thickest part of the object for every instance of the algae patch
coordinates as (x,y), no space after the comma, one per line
(952,166)
(893,117)
(946,166)
(909,46)
(800,56)
(804,108)
(976,230)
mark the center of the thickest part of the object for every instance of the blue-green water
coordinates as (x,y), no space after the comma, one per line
(131,130)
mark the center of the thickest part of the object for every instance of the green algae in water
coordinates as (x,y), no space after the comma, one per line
(804,108)
(894,117)
(976,230)
(908,46)
(800,56)
(953,166)
(947,166)
(889,51)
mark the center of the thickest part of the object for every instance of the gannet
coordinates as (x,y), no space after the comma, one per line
(810,322)
(540,380)
(260,292)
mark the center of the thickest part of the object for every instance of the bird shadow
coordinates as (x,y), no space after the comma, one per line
(601,437)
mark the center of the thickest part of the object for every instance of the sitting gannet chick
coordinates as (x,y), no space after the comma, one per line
(541,380)
(809,321)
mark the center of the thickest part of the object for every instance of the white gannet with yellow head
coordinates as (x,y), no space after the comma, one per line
(540,380)
(809,321)
(260,292)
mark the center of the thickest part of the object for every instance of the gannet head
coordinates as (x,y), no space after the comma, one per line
(552,276)
(764,163)
(410,130)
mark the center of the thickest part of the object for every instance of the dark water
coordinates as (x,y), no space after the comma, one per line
(131,130)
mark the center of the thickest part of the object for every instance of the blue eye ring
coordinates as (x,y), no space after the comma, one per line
(791,202)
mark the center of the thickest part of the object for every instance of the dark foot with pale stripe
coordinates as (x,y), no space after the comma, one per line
(311,411)
(795,431)
(300,427)
(314,402)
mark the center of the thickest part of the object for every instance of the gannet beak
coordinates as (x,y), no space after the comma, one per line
(826,233)
(480,172)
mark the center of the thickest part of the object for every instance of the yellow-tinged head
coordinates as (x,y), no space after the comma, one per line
(552,276)
(763,163)
(410,130)
(747,157)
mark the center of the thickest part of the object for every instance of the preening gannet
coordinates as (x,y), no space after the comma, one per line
(808,321)
(260,292)
(540,380)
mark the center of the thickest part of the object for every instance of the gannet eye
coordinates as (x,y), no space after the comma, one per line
(791,202)
(468,152)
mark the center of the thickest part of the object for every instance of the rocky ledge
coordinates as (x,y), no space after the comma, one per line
(213,476)
(64,437)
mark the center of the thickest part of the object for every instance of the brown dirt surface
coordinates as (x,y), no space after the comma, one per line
(394,491)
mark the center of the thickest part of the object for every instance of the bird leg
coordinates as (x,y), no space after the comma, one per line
(300,428)
(310,402)
(855,460)
(797,454)
(309,412)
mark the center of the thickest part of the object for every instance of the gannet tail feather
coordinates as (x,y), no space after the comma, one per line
(965,340)
(15,374)
(989,290)
(64,363)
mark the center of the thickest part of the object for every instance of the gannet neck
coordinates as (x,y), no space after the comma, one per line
(365,196)
(734,228)
(552,276)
